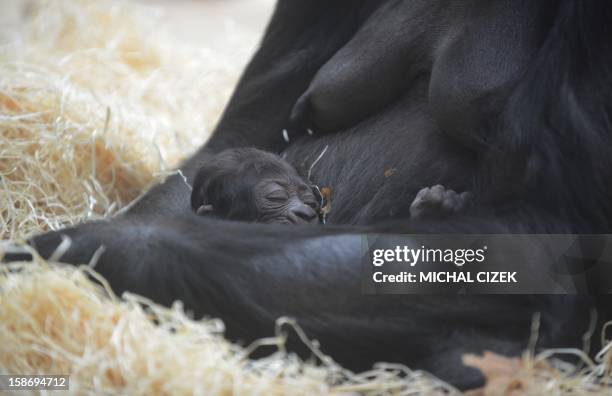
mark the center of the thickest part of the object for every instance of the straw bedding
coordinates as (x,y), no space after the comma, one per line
(96,104)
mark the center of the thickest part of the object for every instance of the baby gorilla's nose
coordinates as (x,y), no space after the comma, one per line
(303,213)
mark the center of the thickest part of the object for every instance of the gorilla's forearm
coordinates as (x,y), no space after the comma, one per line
(251,274)
(239,271)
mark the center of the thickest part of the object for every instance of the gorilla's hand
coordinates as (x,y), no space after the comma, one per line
(438,201)
(75,245)
(112,246)
(141,254)
(80,242)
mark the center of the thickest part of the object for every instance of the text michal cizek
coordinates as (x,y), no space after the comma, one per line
(413,256)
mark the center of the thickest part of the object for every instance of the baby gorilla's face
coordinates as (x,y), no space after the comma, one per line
(252,185)
(284,200)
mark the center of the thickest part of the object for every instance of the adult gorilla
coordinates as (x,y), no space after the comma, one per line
(511,100)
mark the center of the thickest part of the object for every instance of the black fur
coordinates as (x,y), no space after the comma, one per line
(509,99)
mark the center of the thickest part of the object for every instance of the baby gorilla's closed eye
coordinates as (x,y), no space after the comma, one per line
(252,185)
(278,196)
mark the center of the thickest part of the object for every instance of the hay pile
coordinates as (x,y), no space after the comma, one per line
(97,103)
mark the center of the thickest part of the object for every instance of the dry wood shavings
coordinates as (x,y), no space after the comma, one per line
(97,103)
(542,374)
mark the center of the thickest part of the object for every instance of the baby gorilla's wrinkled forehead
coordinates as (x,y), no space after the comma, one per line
(252,185)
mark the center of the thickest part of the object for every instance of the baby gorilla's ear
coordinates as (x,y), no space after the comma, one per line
(204,210)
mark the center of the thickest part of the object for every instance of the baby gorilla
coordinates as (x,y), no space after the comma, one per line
(248,184)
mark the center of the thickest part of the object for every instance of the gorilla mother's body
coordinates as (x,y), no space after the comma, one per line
(508,99)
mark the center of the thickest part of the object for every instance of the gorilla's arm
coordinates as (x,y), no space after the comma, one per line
(249,275)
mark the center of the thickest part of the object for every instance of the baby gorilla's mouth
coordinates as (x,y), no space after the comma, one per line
(302,214)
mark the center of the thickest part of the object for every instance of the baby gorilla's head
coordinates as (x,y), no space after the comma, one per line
(252,185)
